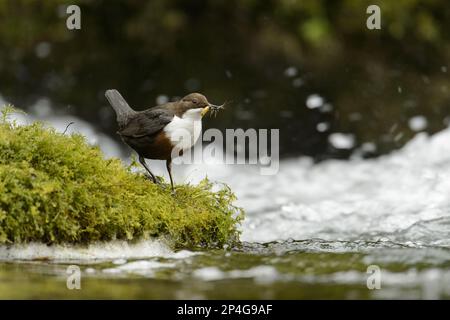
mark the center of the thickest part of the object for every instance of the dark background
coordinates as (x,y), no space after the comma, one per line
(267,57)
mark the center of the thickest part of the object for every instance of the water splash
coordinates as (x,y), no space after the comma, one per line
(401,197)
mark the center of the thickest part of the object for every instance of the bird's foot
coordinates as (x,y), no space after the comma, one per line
(153,179)
(160,182)
(167,187)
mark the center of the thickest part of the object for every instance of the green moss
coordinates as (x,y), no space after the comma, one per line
(56,188)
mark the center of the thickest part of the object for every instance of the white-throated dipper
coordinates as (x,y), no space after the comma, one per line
(153,133)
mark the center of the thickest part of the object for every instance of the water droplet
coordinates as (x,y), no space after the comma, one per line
(355,116)
(291,72)
(327,107)
(42,108)
(161,99)
(342,140)
(418,123)
(425,79)
(322,126)
(399,136)
(43,49)
(314,101)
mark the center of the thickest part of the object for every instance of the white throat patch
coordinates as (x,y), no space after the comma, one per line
(184,132)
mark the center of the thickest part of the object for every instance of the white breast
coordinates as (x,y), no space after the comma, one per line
(184,132)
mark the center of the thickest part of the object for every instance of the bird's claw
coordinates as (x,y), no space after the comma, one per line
(159,181)
(167,187)
(152,179)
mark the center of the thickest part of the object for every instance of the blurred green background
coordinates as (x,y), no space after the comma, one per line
(310,68)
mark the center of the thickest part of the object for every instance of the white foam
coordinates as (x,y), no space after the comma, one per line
(118,251)
(402,197)
(260,274)
(142,267)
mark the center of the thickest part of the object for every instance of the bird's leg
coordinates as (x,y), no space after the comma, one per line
(142,161)
(169,169)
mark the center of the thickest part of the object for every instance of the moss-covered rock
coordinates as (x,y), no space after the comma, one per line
(56,188)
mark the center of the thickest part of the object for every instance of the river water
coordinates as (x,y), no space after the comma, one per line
(311,231)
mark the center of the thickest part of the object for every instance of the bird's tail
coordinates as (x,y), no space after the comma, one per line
(120,106)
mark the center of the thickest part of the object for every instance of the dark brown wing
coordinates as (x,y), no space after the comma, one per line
(147,122)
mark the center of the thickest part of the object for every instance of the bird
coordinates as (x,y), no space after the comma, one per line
(155,133)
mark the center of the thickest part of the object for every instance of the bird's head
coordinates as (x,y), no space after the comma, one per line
(197,103)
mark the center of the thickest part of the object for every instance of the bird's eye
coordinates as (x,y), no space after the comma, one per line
(194,101)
